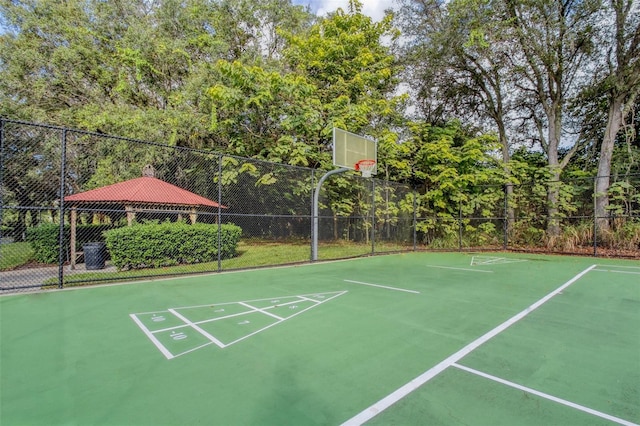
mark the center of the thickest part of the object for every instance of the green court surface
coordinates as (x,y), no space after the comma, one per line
(407,339)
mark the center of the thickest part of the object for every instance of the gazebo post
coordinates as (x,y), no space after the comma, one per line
(193,216)
(72,238)
(130,215)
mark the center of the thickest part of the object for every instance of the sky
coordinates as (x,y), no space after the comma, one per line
(373,8)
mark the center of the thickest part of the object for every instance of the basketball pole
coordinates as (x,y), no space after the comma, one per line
(316,198)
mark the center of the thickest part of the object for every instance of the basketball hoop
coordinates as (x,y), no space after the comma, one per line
(366,167)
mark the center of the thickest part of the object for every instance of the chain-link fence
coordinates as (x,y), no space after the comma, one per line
(80,207)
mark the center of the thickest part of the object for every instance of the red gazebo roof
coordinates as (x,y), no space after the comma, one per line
(142,190)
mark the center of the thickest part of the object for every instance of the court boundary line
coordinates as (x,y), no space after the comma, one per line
(395,396)
(545,395)
(383,286)
(620,266)
(618,272)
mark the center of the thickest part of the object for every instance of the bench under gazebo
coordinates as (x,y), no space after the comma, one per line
(143,194)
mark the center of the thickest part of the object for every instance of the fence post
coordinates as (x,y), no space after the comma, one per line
(595,218)
(219,213)
(415,220)
(505,226)
(1,171)
(63,166)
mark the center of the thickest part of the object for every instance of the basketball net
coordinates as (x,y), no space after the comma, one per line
(366,167)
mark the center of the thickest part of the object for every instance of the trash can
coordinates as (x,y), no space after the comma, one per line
(95,255)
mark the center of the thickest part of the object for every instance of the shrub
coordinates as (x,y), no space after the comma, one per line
(624,234)
(44,239)
(167,244)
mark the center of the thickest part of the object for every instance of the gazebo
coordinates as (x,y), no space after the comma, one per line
(143,194)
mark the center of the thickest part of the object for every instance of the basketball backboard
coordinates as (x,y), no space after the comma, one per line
(349,148)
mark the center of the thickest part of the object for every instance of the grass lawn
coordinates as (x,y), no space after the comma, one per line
(250,254)
(14,254)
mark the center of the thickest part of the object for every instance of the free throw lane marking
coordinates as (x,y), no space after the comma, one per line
(492,260)
(386,402)
(458,269)
(545,396)
(383,286)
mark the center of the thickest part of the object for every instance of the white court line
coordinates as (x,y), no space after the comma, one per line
(546,396)
(383,286)
(198,329)
(151,337)
(458,269)
(620,266)
(492,260)
(287,318)
(386,402)
(255,309)
(192,349)
(310,300)
(618,272)
(485,260)
(175,327)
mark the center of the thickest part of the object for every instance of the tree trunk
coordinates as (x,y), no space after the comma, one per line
(553,188)
(614,122)
(553,196)
(506,157)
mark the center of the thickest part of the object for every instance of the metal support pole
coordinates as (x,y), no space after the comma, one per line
(373,216)
(459,226)
(312,185)
(316,198)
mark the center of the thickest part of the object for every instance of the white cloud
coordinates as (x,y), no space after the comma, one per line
(373,8)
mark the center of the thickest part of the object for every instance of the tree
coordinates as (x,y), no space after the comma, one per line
(130,67)
(515,61)
(555,41)
(620,85)
(456,175)
(264,114)
(458,58)
(337,73)
(345,57)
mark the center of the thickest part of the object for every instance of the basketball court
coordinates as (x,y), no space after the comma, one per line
(417,338)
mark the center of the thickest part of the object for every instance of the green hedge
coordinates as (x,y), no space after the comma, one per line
(44,239)
(167,244)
